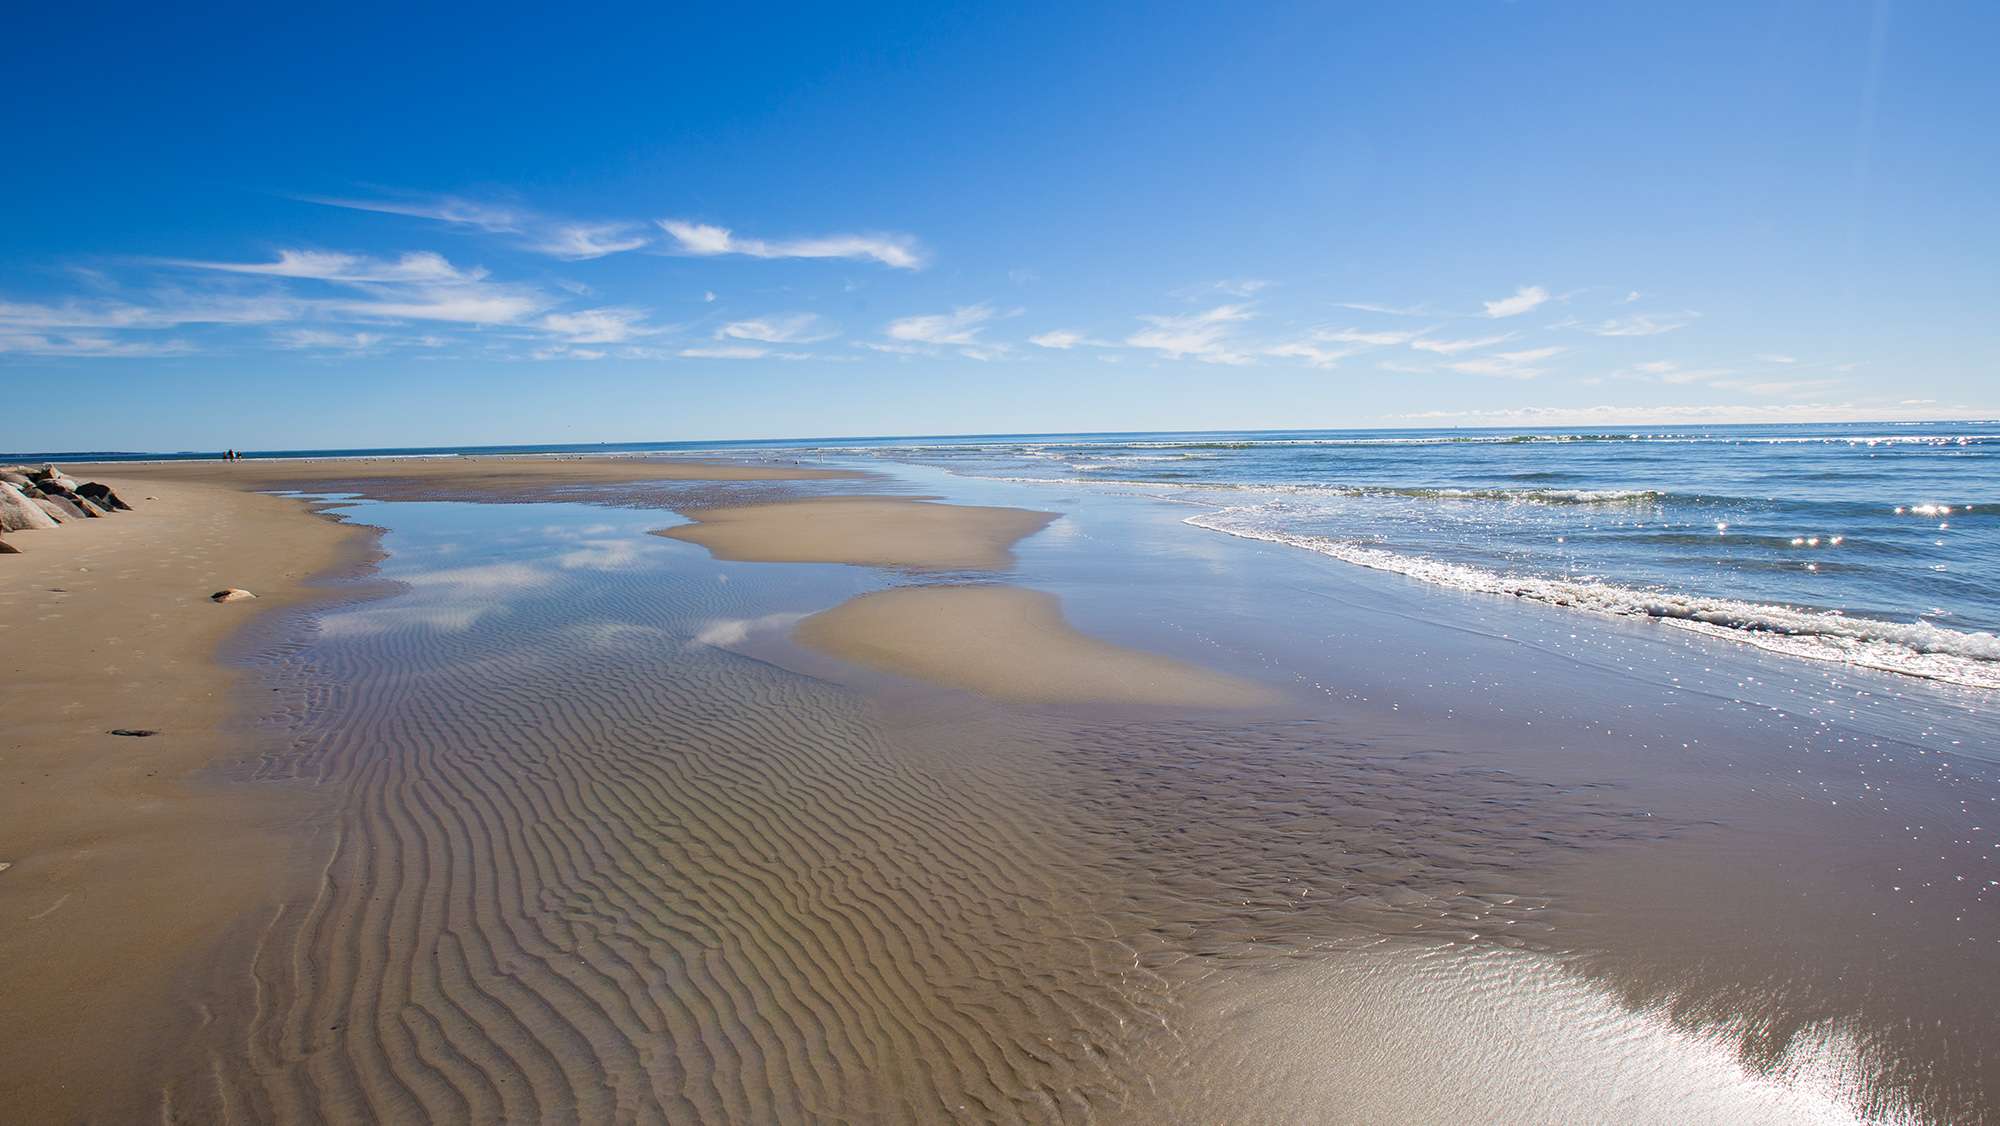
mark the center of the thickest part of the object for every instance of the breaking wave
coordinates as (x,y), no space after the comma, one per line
(1911,648)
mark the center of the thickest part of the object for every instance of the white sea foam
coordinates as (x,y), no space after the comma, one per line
(1912,648)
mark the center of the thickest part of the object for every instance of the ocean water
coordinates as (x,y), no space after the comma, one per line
(1871,544)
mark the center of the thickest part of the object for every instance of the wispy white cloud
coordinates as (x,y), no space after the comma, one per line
(422,286)
(1453,347)
(558,238)
(1374,339)
(494,218)
(580,241)
(322,265)
(1325,348)
(1506,365)
(725,352)
(702,239)
(477,304)
(1776,358)
(170,310)
(1242,287)
(1385,310)
(1525,299)
(1205,336)
(1672,372)
(1641,324)
(611,325)
(87,345)
(791,328)
(957,329)
(1059,339)
(317,339)
(1317,355)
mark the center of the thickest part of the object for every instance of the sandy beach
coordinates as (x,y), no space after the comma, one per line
(123,863)
(530,809)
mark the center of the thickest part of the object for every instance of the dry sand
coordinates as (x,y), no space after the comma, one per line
(1013,644)
(121,867)
(870,531)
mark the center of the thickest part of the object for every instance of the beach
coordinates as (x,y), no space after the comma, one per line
(664,790)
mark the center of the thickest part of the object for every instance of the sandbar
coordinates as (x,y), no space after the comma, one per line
(1014,644)
(875,531)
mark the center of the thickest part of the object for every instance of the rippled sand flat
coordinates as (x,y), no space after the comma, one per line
(577,839)
(589,869)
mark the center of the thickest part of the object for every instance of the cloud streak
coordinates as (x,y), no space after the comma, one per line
(1525,299)
(794,328)
(704,240)
(1205,336)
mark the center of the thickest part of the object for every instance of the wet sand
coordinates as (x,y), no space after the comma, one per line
(1012,644)
(552,851)
(126,862)
(906,532)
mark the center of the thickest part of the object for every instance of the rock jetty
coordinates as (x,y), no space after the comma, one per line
(37,498)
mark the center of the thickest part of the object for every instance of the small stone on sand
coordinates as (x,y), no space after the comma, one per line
(233,594)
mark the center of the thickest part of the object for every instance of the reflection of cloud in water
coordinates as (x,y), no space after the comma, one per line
(444,619)
(601,555)
(448,600)
(575,532)
(724,632)
(1493,1036)
(486,577)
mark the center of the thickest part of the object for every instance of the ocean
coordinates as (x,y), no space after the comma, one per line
(1873,544)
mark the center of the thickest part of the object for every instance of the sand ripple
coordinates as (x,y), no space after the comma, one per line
(577,868)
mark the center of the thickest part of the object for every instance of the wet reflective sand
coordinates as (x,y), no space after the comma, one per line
(596,842)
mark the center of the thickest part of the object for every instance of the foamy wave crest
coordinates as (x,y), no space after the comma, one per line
(1911,648)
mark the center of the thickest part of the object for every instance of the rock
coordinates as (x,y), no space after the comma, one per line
(101,495)
(8,548)
(89,506)
(69,508)
(134,732)
(56,512)
(55,486)
(18,480)
(233,594)
(19,514)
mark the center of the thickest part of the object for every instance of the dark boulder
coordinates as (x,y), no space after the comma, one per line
(102,496)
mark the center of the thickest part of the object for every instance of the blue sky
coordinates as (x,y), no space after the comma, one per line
(267,228)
